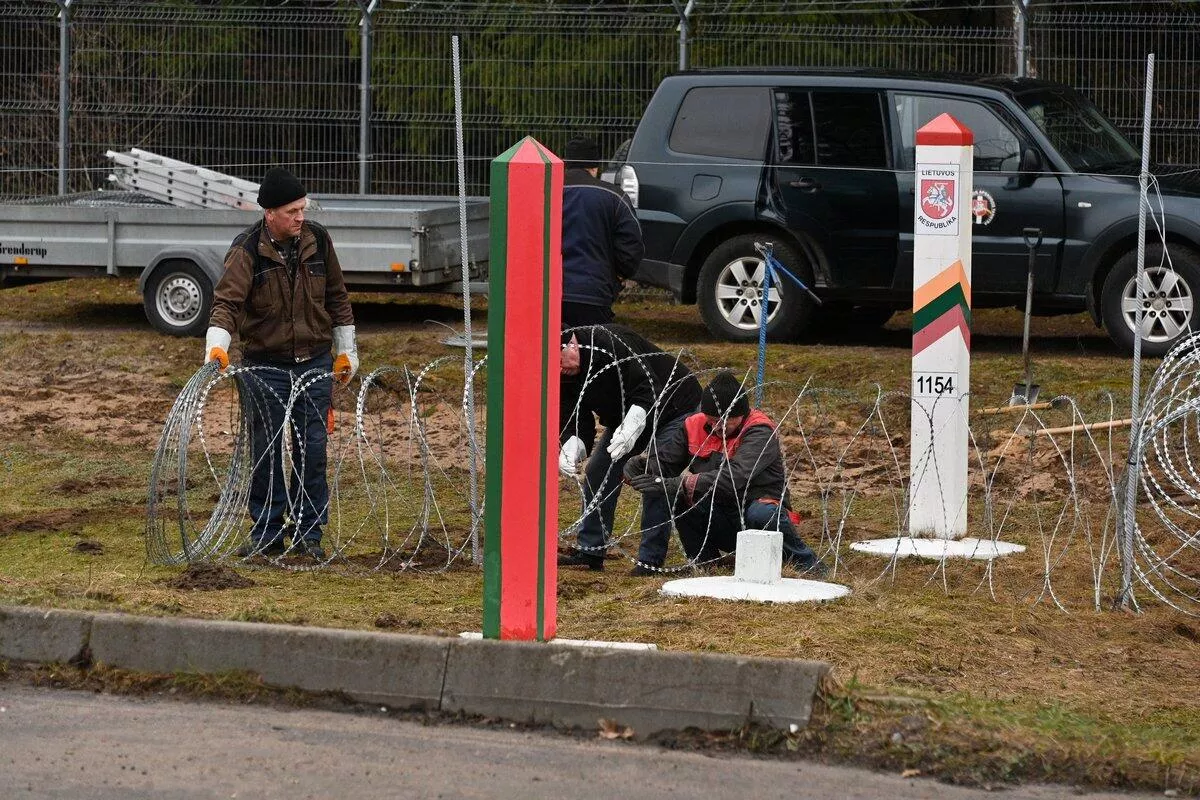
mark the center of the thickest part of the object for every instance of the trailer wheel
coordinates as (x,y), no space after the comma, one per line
(178,298)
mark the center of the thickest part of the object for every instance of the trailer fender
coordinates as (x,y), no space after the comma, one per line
(177,290)
(212,262)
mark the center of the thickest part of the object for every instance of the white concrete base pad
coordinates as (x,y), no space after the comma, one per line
(579,642)
(904,546)
(724,587)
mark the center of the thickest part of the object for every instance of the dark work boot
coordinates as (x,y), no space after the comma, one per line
(270,549)
(578,558)
(310,549)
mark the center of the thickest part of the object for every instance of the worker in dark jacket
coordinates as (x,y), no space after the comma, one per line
(601,238)
(735,478)
(282,292)
(636,391)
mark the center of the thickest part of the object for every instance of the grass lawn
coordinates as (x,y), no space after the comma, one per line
(969,674)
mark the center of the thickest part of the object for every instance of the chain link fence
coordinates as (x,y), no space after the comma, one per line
(238,88)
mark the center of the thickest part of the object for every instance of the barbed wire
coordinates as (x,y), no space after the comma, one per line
(1047,477)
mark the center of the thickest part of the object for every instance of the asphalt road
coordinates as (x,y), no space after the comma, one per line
(70,744)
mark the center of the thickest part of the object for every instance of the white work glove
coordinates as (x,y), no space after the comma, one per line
(216,346)
(345,362)
(569,456)
(627,433)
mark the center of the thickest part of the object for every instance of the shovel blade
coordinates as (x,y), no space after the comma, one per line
(1024,395)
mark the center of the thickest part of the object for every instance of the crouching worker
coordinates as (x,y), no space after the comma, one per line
(735,481)
(637,391)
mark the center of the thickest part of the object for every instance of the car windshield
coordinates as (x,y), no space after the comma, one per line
(1077,129)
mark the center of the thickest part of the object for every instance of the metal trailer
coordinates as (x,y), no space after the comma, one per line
(384,243)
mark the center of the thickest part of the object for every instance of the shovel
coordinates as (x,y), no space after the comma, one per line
(1025,394)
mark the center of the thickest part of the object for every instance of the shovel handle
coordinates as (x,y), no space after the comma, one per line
(1033,238)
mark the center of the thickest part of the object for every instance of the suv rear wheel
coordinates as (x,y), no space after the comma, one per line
(1169,302)
(730,291)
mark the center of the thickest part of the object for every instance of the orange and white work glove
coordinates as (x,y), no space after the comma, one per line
(345,361)
(216,346)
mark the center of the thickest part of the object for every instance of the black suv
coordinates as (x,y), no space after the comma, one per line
(820,164)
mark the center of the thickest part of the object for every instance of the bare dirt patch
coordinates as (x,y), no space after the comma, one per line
(202,577)
(389,621)
(78,486)
(89,547)
(55,519)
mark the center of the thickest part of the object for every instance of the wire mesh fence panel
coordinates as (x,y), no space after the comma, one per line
(548,75)
(240,87)
(962,50)
(1104,56)
(29,99)
(235,89)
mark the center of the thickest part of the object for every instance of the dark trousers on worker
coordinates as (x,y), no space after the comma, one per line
(708,529)
(306,505)
(576,314)
(603,477)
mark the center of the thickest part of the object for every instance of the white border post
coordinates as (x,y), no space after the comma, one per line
(941,359)
(941,362)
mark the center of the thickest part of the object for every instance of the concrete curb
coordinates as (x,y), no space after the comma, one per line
(44,635)
(646,690)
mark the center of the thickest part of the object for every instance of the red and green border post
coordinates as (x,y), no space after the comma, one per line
(520,572)
(941,354)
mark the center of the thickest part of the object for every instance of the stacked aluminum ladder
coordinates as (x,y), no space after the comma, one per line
(180,183)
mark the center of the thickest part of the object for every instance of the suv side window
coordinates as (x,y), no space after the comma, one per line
(727,121)
(793,128)
(849,129)
(997,147)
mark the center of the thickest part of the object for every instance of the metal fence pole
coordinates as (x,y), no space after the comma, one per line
(1021,20)
(364,120)
(468,334)
(64,89)
(684,12)
(1134,461)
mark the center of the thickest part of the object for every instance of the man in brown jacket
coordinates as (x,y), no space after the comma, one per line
(282,292)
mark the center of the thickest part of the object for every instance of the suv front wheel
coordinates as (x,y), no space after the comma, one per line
(1169,300)
(730,291)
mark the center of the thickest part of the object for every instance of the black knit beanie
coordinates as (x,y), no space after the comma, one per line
(582,152)
(278,188)
(723,397)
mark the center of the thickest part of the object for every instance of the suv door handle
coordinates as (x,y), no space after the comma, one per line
(807,184)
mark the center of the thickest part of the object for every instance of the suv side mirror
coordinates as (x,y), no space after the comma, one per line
(1031,167)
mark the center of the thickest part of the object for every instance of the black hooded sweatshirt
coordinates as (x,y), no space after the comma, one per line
(619,369)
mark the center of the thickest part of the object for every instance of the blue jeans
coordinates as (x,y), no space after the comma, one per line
(707,530)
(270,388)
(606,475)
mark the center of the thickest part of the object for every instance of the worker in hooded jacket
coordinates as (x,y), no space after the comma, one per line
(718,471)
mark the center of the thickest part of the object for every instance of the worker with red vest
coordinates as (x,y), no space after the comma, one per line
(735,479)
(612,374)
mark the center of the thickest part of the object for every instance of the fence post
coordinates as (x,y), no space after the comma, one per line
(468,334)
(64,88)
(685,13)
(520,560)
(364,118)
(1020,21)
(1133,463)
(941,350)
